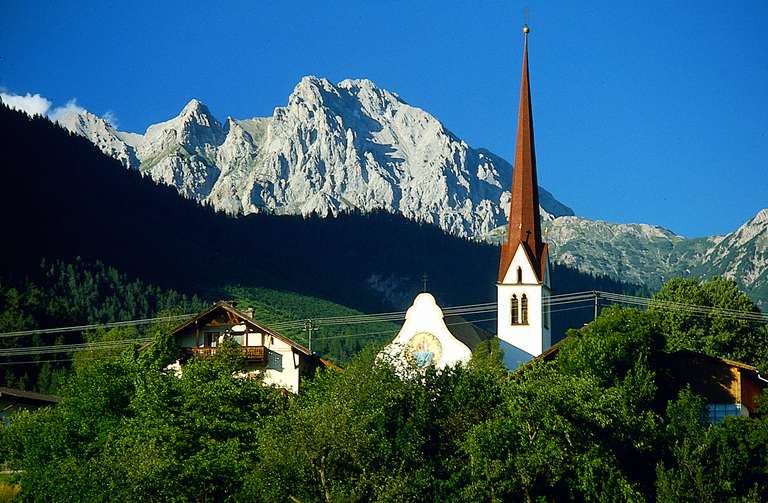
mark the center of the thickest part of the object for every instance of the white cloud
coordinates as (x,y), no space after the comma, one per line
(70,107)
(33,104)
(110,117)
(36,104)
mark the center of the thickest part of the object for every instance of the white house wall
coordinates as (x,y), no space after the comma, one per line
(287,374)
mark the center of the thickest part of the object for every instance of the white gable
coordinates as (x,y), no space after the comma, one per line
(520,260)
(523,324)
(425,338)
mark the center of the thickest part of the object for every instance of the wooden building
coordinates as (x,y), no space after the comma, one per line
(282,362)
(13,400)
(730,388)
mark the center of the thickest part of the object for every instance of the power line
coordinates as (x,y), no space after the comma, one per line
(693,309)
(286,325)
(393,316)
(80,328)
(69,348)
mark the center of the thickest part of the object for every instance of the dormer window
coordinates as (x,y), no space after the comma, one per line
(519,275)
(514,309)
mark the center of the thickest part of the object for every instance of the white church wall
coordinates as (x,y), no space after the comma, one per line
(531,337)
(425,332)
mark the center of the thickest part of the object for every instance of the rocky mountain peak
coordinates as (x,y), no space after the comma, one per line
(195,129)
(333,147)
(100,132)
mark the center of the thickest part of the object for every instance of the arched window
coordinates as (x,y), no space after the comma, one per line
(515,318)
(524,310)
(519,274)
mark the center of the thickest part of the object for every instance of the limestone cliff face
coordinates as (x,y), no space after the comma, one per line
(333,147)
(649,255)
(354,146)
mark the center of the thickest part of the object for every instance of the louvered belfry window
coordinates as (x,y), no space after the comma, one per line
(515,310)
(524,310)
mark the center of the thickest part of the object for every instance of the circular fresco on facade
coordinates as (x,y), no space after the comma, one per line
(424,349)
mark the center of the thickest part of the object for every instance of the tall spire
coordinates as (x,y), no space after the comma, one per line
(524,219)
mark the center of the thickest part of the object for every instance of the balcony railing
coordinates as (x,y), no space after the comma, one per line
(250,353)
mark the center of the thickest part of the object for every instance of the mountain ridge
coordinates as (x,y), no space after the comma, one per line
(278,165)
(649,254)
(331,148)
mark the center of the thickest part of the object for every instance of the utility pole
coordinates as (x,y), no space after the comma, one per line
(597,301)
(310,326)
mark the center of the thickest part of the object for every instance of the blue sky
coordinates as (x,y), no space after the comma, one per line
(652,112)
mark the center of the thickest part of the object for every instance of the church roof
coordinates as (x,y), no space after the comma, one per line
(467,332)
(524,220)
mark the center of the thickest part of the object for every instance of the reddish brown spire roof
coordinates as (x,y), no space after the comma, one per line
(524,220)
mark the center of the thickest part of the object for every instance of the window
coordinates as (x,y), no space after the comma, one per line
(519,274)
(275,360)
(545,311)
(717,412)
(524,310)
(515,319)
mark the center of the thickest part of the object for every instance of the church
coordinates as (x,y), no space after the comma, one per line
(523,283)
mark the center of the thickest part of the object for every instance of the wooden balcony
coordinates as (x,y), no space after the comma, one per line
(250,353)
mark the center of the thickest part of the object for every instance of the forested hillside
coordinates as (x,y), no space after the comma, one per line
(69,200)
(59,294)
(62,294)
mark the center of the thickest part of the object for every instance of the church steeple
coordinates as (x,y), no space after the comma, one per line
(523,286)
(524,219)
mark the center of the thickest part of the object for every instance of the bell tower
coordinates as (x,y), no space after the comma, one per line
(523,283)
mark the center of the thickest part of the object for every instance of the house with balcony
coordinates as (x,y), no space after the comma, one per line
(282,361)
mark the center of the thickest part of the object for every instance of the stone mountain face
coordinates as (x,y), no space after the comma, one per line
(743,256)
(101,133)
(349,146)
(353,146)
(649,255)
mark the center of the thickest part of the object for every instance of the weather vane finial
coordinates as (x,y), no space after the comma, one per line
(525,26)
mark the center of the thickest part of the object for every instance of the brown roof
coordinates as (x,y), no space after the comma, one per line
(466,331)
(714,359)
(246,319)
(27,396)
(524,219)
(551,353)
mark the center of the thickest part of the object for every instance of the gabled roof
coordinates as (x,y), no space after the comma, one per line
(221,305)
(27,396)
(714,359)
(466,331)
(552,352)
(524,219)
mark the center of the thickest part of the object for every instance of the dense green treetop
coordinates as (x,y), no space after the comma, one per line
(589,424)
(713,333)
